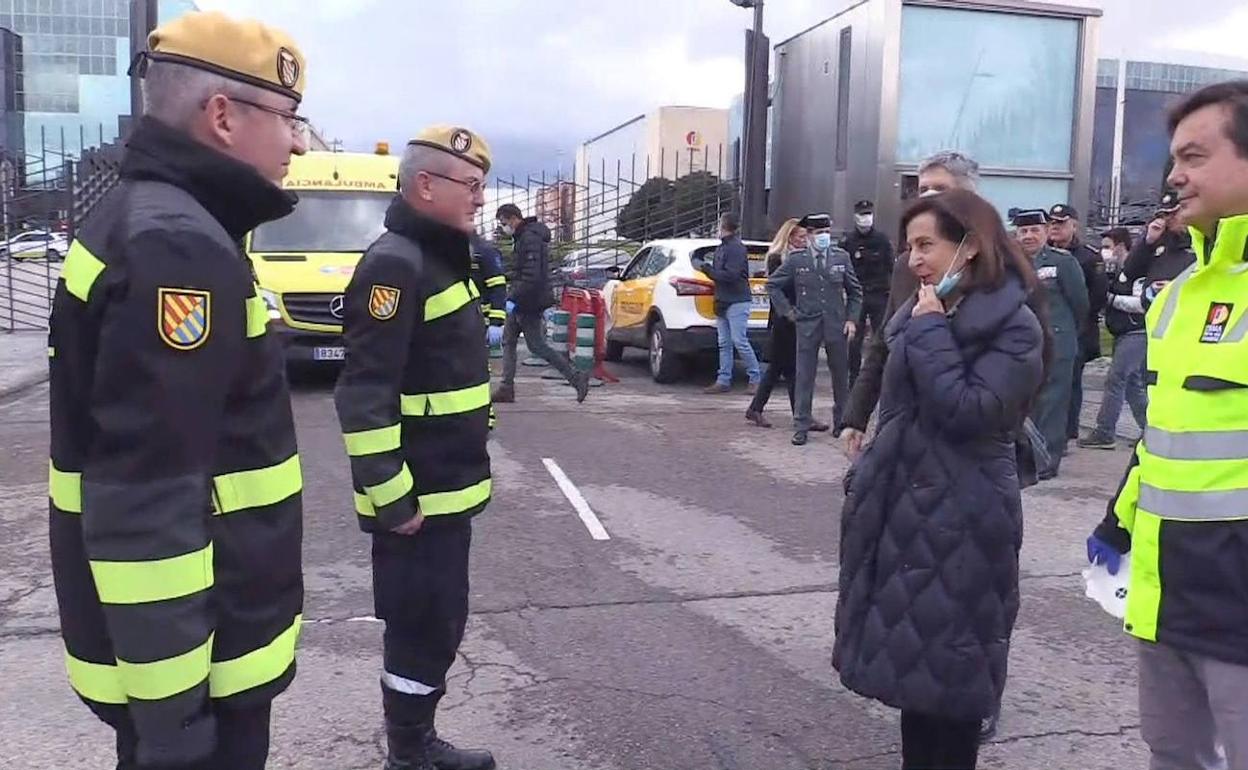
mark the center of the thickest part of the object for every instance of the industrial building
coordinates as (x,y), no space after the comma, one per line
(864,96)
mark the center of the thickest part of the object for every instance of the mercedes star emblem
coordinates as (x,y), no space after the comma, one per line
(336,307)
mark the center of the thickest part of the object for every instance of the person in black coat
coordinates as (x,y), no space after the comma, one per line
(932,523)
(789,238)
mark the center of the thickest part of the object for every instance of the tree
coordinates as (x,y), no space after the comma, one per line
(661,208)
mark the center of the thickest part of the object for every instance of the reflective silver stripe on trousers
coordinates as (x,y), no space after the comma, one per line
(1196,445)
(1172,303)
(1230,505)
(397,683)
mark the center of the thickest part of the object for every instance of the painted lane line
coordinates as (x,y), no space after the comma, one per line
(591,522)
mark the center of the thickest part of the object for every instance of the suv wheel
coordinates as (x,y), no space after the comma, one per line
(665,366)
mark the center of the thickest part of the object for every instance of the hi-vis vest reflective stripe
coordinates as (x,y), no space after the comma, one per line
(431,504)
(117,683)
(450,299)
(1193,460)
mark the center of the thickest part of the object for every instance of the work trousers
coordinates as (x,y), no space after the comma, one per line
(768,384)
(1126,380)
(873,307)
(1075,410)
(813,334)
(937,743)
(530,325)
(420,590)
(1193,710)
(242,739)
(1052,410)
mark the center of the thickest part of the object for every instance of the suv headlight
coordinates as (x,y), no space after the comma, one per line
(271,302)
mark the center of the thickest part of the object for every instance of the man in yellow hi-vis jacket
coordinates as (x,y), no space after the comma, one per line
(1182,511)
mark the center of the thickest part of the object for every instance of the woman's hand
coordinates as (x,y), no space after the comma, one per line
(927,302)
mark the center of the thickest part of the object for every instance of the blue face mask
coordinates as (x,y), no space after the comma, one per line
(951,279)
(823,241)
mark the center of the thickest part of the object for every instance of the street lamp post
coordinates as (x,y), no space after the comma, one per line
(754,133)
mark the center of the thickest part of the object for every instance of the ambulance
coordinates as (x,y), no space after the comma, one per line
(304,261)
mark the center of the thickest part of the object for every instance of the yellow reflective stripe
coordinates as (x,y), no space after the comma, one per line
(51,352)
(437,503)
(165,678)
(499,314)
(65,489)
(139,582)
(446,402)
(449,300)
(389,491)
(444,503)
(498,280)
(257,316)
(80,270)
(256,668)
(1144,593)
(257,488)
(371,442)
(99,682)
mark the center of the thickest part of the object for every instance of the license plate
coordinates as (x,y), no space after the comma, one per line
(329,354)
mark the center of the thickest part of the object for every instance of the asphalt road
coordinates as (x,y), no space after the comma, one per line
(697,636)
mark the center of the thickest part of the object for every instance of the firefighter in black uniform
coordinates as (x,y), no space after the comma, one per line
(872,257)
(1064,234)
(175,484)
(1163,253)
(414,400)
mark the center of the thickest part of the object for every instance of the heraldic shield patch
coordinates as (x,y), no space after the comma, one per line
(383,303)
(184,317)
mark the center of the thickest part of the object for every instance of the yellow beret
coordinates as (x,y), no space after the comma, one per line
(460,142)
(246,51)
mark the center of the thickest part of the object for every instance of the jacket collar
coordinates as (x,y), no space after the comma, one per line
(1228,246)
(439,242)
(233,193)
(979,314)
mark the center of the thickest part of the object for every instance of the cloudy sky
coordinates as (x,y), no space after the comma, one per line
(537,77)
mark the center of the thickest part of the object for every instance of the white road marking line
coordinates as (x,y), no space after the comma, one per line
(591,522)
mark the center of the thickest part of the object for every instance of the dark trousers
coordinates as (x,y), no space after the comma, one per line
(936,743)
(420,590)
(1052,410)
(768,383)
(530,325)
(873,307)
(813,334)
(242,740)
(1076,397)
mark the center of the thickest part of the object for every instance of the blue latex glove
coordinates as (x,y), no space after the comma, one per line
(1101,552)
(494,336)
(510,307)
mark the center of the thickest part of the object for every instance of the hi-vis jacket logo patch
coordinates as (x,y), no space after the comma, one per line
(184,317)
(1215,323)
(383,303)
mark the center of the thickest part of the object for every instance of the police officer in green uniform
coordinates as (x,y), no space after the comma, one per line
(175,483)
(829,298)
(414,402)
(1062,278)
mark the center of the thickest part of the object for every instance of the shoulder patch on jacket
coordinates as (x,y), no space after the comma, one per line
(383,302)
(183,317)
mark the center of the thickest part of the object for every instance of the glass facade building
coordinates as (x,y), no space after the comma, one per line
(75,54)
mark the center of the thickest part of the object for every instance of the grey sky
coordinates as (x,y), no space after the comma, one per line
(537,77)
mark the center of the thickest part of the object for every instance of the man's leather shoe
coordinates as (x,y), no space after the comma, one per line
(799,438)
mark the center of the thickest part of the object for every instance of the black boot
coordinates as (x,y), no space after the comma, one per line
(406,717)
(444,756)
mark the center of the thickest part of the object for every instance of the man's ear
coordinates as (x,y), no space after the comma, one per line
(217,120)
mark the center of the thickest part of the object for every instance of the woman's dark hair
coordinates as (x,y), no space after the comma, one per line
(963,214)
(1120,236)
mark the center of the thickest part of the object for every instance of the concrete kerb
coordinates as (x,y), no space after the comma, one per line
(23,361)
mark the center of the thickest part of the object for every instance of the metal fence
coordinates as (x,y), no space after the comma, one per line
(43,195)
(602,212)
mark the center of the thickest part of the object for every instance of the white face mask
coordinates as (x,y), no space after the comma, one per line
(1107,255)
(865,221)
(509,230)
(822,241)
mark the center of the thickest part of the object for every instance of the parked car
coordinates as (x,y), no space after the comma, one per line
(663,302)
(588,268)
(36,244)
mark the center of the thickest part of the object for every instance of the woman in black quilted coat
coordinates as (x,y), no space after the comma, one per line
(932,523)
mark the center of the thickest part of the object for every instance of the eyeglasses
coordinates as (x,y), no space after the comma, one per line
(474,186)
(298,124)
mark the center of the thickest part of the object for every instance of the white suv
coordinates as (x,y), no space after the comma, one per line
(664,303)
